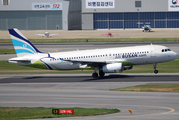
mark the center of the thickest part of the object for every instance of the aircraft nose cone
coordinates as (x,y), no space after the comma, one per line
(175,55)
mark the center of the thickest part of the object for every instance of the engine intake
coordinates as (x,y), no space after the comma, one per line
(113,68)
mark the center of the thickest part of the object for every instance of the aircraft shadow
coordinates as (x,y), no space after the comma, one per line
(107,78)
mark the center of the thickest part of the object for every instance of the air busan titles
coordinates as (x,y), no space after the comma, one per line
(109,60)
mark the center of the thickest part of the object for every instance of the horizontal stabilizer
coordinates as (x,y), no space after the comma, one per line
(19,61)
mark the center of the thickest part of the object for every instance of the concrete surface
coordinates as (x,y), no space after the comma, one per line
(144,105)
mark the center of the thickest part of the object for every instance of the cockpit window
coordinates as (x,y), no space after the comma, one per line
(165,50)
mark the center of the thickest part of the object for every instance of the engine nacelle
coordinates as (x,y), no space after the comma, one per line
(128,67)
(112,68)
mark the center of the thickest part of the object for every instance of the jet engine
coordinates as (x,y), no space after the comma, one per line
(112,68)
(128,67)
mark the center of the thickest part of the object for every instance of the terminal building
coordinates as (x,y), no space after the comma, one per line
(129,14)
(40,14)
(88,14)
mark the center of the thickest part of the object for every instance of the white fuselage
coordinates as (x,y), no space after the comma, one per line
(108,60)
(136,55)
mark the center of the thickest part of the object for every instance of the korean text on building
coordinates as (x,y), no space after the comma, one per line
(46,6)
(100,4)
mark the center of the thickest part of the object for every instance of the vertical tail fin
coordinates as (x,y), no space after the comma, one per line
(21,44)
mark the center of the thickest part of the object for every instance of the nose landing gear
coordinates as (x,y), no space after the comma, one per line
(155,71)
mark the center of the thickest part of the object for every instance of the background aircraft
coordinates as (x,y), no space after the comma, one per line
(109,34)
(109,60)
(46,34)
(145,27)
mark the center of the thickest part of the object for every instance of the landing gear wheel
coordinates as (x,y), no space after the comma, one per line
(95,75)
(155,71)
(101,73)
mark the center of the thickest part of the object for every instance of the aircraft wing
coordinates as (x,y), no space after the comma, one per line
(104,34)
(53,34)
(94,63)
(115,34)
(40,35)
(19,60)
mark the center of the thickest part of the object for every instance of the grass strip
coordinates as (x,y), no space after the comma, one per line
(7,51)
(82,40)
(167,67)
(151,88)
(11,113)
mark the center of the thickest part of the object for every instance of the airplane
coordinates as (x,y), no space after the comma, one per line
(47,34)
(107,60)
(146,28)
(109,34)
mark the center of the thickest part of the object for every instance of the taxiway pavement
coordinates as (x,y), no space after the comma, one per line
(82,91)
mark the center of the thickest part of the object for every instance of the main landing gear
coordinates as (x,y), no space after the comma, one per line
(101,74)
(155,71)
(95,75)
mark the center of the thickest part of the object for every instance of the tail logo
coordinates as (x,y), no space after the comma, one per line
(21,44)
